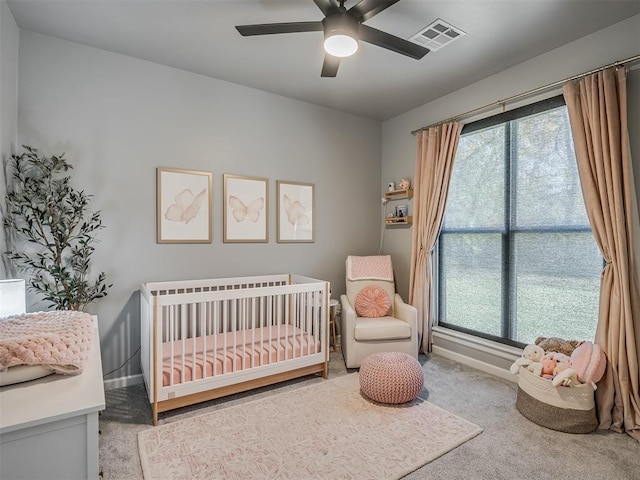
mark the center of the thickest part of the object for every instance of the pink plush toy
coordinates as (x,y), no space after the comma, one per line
(548,366)
(589,362)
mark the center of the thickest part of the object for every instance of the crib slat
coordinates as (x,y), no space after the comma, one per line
(243,347)
(203,330)
(311,307)
(225,313)
(279,314)
(291,304)
(234,329)
(172,340)
(316,325)
(253,332)
(215,331)
(183,340)
(271,308)
(192,316)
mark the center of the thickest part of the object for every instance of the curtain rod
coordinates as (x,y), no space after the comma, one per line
(528,93)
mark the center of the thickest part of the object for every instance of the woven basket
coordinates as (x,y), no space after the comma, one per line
(565,409)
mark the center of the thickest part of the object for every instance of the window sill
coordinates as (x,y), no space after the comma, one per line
(476,352)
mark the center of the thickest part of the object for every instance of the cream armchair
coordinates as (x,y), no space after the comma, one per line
(395,331)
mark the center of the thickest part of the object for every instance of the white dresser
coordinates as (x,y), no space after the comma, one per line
(49,427)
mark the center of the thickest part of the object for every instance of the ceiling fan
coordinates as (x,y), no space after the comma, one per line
(342,29)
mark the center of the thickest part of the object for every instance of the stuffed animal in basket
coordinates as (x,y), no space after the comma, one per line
(548,366)
(562,362)
(566,378)
(530,359)
(588,363)
(564,374)
(559,345)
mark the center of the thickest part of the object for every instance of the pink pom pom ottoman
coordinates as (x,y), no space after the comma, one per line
(391,377)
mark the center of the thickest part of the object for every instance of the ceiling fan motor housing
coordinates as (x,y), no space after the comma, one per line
(340,24)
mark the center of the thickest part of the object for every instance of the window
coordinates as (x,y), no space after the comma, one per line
(517,258)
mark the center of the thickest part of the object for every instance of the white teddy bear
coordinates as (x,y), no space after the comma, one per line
(530,359)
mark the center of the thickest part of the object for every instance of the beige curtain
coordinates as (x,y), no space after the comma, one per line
(597,108)
(436,150)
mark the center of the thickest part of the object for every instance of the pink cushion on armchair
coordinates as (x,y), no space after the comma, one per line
(372,302)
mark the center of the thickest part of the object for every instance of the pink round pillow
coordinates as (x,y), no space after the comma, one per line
(372,302)
(589,362)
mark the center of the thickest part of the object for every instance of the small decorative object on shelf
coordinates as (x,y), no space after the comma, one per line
(405,184)
(401,211)
(391,187)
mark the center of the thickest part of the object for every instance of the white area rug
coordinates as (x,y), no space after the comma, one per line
(327,430)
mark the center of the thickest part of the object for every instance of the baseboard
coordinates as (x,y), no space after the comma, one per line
(123,382)
(485,355)
(477,364)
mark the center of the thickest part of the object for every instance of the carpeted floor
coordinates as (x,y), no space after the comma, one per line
(510,447)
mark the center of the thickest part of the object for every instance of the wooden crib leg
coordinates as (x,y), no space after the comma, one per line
(155,413)
(325,370)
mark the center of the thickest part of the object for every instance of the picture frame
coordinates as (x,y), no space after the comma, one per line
(184,206)
(295,207)
(245,209)
(401,211)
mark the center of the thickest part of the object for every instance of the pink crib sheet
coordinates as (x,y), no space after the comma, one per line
(253,348)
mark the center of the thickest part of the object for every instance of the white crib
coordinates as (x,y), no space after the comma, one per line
(204,339)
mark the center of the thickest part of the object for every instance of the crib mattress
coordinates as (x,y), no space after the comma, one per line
(215,354)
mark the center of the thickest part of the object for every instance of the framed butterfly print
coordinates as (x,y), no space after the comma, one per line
(184,206)
(245,209)
(295,212)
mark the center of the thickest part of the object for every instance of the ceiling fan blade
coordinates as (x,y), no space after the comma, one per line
(327,6)
(366,9)
(391,42)
(330,66)
(273,28)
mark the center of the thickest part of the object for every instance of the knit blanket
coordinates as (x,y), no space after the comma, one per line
(374,267)
(59,340)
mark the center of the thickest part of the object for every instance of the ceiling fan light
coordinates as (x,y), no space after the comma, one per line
(340,45)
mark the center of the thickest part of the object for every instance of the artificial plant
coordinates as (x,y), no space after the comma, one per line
(53,217)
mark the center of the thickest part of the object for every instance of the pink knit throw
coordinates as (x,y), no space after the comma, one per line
(374,267)
(59,340)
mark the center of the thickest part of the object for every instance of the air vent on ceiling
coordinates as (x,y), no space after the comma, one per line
(437,35)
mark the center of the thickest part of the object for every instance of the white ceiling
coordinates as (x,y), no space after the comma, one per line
(199,36)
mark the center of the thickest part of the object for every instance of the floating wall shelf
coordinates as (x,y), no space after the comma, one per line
(399,194)
(398,221)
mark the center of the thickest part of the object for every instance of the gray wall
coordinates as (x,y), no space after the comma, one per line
(399,146)
(9,38)
(118,118)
